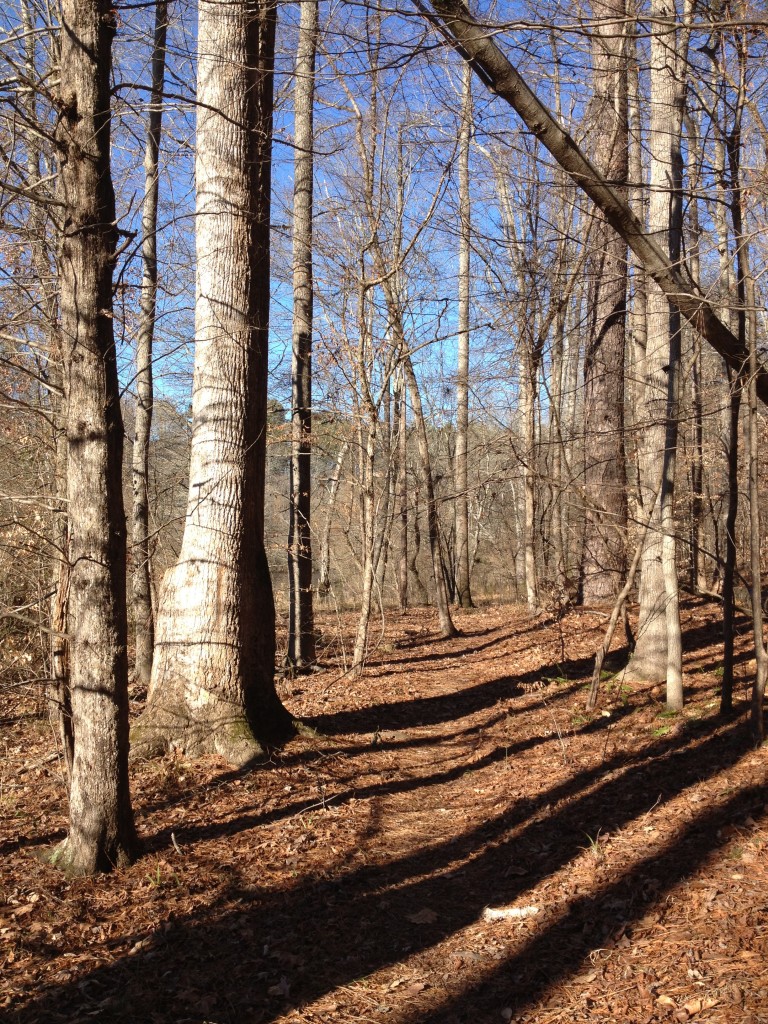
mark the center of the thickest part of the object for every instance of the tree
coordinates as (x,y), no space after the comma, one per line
(463,589)
(212,684)
(605,480)
(658,654)
(496,71)
(101,830)
(301,631)
(143,618)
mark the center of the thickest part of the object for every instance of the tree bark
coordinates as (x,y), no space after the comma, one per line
(143,617)
(605,482)
(212,685)
(101,830)
(301,629)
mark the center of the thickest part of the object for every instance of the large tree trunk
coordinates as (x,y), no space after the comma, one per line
(143,619)
(605,479)
(301,629)
(463,590)
(212,685)
(101,831)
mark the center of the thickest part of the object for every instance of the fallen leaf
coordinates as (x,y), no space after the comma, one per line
(413,990)
(666,1001)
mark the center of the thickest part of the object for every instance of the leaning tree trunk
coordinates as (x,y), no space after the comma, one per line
(474,40)
(143,619)
(101,831)
(463,590)
(212,685)
(605,480)
(301,629)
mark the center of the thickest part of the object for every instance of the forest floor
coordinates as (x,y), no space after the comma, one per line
(350,877)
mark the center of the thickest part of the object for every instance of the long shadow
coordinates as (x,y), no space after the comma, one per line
(306,757)
(444,707)
(454,651)
(254,953)
(561,948)
(189,834)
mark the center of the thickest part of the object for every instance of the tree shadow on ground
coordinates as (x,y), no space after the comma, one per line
(255,952)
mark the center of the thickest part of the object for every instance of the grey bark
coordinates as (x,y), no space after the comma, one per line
(143,616)
(301,629)
(101,830)
(212,687)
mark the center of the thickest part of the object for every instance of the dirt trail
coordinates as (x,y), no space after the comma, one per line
(348,878)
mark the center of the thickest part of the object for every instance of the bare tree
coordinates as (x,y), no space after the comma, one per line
(463,589)
(212,684)
(301,630)
(101,830)
(605,480)
(143,617)
(496,71)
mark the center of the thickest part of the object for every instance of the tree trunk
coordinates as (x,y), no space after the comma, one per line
(729,569)
(605,482)
(301,629)
(212,685)
(101,831)
(402,492)
(658,654)
(324,580)
(464,593)
(143,619)
(447,628)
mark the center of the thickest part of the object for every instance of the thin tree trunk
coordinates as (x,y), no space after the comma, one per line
(402,492)
(464,593)
(756,590)
(301,629)
(213,685)
(605,482)
(447,628)
(101,830)
(47,277)
(324,580)
(729,570)
(143,618)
